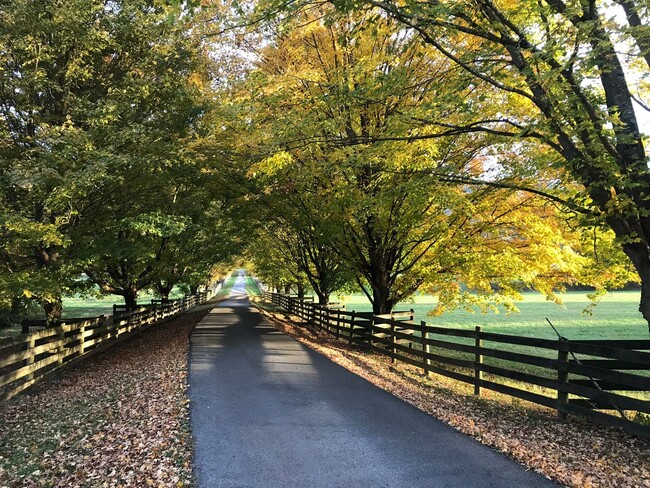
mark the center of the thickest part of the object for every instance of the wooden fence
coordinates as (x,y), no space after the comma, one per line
(607,381)
(30,357)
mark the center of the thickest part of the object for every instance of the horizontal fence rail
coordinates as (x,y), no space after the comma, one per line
(607,381)
(32,356)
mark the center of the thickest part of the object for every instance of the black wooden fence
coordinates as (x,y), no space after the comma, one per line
(607,381)
(32,356)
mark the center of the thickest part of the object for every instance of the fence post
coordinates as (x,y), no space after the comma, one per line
(351,327)
(425,347)
(562,377)
(478,361)
(82,338)
(326,312)
(338,324)
(393,351)
(31,343)
(60,350)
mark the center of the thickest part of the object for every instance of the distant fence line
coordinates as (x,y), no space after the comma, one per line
(603,380)
(30,357)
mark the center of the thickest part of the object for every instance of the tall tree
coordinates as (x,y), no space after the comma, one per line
(332,99)
(95,96)
(566,75)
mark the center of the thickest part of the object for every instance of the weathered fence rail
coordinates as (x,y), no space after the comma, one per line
(606,381)
(30,357)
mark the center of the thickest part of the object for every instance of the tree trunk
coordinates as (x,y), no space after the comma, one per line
(164,292)
(323,297)
(639,256)
(287,289)
(194,289)
(301,289)
(381,302)
(164,288)
(53,308)
(130,299)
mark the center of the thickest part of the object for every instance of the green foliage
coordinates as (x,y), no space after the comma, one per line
(550,79)
(101,105)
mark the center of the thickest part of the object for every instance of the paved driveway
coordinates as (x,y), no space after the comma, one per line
(268,412)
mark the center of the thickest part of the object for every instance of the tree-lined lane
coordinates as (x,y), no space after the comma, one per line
(266,411)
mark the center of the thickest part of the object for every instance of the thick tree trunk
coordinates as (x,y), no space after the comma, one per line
(640,257)
(130,299)
(323,297)
(287,289)
(53,308)
(301,289)
(194,289)
(381,302)
(164,291)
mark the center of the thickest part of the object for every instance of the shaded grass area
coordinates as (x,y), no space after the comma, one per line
(93,306)
(251,287)
(77,307)
(118,419)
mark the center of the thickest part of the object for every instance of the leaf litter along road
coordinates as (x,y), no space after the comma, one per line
(575,453)
(121,419)
(118,419)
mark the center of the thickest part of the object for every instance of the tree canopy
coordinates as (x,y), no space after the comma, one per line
(101,105)
(402,213)
(465,149)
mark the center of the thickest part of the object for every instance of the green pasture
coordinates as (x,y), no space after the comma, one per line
(616,316)
(93,306)
(76,307)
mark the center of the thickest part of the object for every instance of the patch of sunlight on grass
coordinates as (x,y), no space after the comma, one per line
(615,317)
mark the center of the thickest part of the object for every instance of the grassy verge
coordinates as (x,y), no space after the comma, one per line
(251,287)
(118,419)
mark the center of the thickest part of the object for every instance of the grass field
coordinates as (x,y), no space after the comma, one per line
(91,307)
(75,307)
(615,317)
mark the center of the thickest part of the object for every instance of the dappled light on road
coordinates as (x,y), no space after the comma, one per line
(268,412)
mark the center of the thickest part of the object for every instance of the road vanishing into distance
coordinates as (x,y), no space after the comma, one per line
(268,412)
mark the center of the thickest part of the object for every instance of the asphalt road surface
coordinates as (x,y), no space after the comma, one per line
(268,412)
